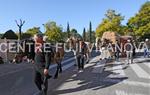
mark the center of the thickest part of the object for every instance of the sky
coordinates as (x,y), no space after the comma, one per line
(77,12)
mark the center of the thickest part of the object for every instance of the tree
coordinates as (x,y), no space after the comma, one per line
(64,36)
(84,34)
(20,27)
(74,33)
(90,31)
(53,31)
(33,31)
(112,22)
(92,39)
(68,30)
(10,34)
(26,36)
(140,23)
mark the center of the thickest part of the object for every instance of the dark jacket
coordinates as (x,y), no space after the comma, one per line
(43,59)
(129,47)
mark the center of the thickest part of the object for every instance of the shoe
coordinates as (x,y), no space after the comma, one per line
(80,70)
(60,71)
(75,64)
(44,92)
(125,67)
(87,62)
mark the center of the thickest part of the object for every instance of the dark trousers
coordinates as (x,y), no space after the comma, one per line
(80,60)
(40,80)
(117,56)
(59,69)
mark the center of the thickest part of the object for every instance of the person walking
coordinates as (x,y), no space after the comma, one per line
(129,52)
(41,65)
(117,51)
(80,55)
(146,46)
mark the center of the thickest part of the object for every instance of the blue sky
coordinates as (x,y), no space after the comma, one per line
(77,12)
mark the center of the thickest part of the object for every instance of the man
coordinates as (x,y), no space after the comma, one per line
(87,52)
(80,55)
(41,65)
(146,54)
(129,51)
(117,51)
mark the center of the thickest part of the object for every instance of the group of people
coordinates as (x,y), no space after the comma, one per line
(127,49)
(42,61)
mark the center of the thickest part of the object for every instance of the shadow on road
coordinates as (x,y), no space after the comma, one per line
(84,80)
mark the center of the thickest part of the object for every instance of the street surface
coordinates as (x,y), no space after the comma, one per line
(98,78)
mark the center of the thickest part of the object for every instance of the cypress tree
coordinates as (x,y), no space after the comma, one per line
(84,34)
(90,31)
(68,30)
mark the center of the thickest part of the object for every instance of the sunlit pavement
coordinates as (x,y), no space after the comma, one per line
(97,78)
(105,79)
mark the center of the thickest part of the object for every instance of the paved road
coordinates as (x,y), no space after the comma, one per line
(96,79)
(106,79)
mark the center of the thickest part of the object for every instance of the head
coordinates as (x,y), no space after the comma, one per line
(146,40)
(38,38)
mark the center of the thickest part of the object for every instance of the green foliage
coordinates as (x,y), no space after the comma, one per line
(53,31)
(127,30)
(140,23)
(112,22)
(84,34)
(10,35)
(33,31)
(68,30)
(64,36)
(26,35)
(74,33)
(90,31)
(92,34)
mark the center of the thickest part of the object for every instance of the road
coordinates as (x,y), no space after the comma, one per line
(97,78)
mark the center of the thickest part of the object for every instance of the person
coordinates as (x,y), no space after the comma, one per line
(117,51)
(80,56)
(146,48)
(87,52)
(41,65)
(129,52)
(134,49)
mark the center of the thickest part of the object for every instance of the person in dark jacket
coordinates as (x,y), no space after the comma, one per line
(80,55)
(41,65)
(117,51)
